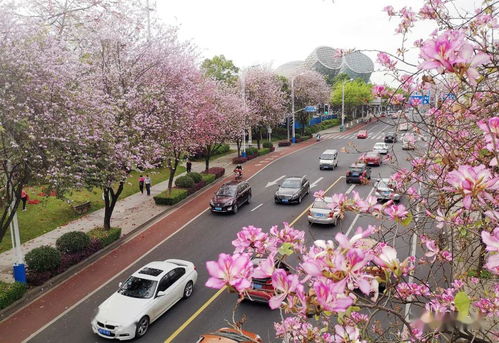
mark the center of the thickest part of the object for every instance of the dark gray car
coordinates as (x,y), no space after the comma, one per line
(292,189)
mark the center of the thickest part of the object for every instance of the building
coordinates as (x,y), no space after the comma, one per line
(325,61)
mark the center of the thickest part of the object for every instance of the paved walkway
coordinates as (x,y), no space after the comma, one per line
(128,214)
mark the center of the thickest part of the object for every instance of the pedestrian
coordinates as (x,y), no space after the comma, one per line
(24,198)
(147,181)
(188,166)
(141,184)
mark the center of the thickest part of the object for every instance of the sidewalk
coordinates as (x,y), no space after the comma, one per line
(128,214)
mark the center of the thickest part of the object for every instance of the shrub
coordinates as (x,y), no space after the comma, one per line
(267,145)
(222,149)
(251,151)
(37,278)
(239,160)
(250,157)
(104,237)
(43,259)
(72,242)
(218,171)
(10,292)
(263,151)
(184,181)
(171,198)
(284,143)
(197,186)
(272,149)
(196,177)
(208,178)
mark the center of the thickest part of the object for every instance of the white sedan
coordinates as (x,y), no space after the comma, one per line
(381,147)
(143,298)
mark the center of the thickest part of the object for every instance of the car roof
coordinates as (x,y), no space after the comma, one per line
(330,151)
(294,178)
(380,143)
(357,165)
(215,337)
(372,153)
(148,271)
(324,199)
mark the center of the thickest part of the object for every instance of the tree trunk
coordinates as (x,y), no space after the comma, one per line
(238,144)
(208,151)
(110,200)
(172,169)
(259,137)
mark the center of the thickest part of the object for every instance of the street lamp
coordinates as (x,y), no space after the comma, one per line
(243,95)
(342,127)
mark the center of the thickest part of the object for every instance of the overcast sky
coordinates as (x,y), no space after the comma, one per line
(273,32)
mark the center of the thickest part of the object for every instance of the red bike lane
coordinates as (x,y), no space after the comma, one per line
(42,310)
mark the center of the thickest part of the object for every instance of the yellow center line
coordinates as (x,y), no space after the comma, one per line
(221,290)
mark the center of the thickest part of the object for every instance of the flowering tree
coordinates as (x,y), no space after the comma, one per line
(265,100)
(222,121)
(310,88)
(355,289)
(41,102)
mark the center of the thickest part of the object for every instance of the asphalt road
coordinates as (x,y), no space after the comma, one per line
(208,235)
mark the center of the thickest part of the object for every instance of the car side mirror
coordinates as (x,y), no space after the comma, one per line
(377,180)
(160,294)
(120,284)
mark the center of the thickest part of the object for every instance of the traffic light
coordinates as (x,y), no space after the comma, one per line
(326,109)
(320,108)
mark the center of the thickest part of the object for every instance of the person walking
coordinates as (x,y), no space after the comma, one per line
(188,166)
(141,184)
(147,182)
(24,198)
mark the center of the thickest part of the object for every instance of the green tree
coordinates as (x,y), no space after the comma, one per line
(221,69)
(357,93)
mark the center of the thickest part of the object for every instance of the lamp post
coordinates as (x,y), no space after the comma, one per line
(342,127)
(243,95)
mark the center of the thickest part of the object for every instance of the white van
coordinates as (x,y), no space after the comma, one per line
(328,159)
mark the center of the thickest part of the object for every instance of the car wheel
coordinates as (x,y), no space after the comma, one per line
(348,181)
(335,222)
(299,199)
(188,289)
(235,209)
(249,198)
(142,326)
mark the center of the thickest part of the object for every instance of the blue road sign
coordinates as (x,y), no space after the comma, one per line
(310,109)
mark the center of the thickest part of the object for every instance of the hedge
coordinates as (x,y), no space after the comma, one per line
(267,145)
(217,171)
(72,242)
(197,186)
(284,143)
(251,151)
(208,178)
(196,177)
(184,181)
(10,292)
(263,151)
(43,259)
(171,198)
(239,160)
(105,237)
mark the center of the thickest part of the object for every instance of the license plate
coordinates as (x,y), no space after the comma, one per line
(355,174)
(218,208)
(319,215)
(257,286)
(104,332)
(386,193)
(284,200)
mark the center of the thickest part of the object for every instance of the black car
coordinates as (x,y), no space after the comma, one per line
(356,171)
(391,137)
(231,196)
(292,189)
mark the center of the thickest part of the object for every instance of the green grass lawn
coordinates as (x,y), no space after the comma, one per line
(51,212)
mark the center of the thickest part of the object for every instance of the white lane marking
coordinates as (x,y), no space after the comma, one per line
(271,183)
(314,184)
(106,283)
(357,216)
(350,189)
(257,207)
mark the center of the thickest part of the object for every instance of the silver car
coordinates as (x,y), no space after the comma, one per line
(383,190)
(320,213)
(381,147)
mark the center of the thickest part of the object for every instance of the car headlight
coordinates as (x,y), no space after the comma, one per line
(295,195)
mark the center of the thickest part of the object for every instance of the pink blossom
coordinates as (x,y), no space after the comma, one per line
(396,212)
(266,267)
(232,270)
(319,194)
(386,61)
(346,334)
(330,295)
(250,239)
(284,284)
(379,91)
(389,10)
(472,182)
(493,263)
(491,240)
(387,258)
(433,250)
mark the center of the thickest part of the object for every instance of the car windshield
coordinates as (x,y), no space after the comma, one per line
(379,145)
(390,134)
(291,184)
(227,190)
(235,336)
(138,288)
(383,184)
(372,154)
(321,204)
(356,169)
(327,156)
